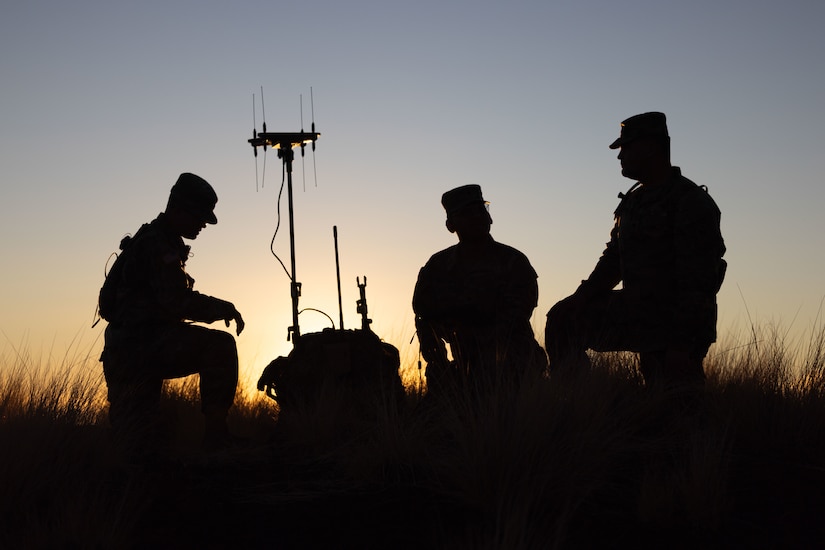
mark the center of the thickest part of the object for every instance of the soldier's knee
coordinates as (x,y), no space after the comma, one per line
(558,321)
(223,345)
(562,310)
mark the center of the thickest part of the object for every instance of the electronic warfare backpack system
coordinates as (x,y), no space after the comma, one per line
(355,363)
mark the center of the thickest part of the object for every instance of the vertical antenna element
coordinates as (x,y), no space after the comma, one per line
(312,106)
(254,136)
(312,110)
(263,112)
(303,144)
(263,127)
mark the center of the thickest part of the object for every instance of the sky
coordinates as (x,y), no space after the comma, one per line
(104,104)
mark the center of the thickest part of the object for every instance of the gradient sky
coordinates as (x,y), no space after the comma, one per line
(104,103)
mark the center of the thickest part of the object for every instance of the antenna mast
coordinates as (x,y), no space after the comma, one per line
(285,142)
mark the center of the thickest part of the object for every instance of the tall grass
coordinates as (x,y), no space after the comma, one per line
(590,460)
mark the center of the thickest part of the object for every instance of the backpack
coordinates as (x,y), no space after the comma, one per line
(107,298)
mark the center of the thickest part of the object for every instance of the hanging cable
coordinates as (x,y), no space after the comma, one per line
(277,227)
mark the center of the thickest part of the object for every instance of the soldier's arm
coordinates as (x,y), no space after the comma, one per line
(432,347)
(698,247)
(173,291)
(607,273)
(520,294)
(209,309)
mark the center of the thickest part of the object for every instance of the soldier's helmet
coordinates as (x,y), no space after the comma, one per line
(196,196)
(460,197)
(653,124)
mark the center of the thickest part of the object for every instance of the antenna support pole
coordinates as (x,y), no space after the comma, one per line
(284,142)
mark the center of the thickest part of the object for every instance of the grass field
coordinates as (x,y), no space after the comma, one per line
(595,460)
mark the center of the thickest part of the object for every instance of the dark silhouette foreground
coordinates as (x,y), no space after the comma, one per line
(476,297)
(148,299)
(666,250)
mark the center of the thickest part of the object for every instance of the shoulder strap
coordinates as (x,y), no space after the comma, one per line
(623,196)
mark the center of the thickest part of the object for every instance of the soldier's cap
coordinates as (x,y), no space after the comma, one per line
(653,124)
(196,196)
(466,195)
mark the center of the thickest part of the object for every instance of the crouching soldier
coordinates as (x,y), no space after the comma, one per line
(666,249)
(148,299)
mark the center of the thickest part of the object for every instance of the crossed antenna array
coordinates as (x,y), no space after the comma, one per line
(285,143)
(282,141)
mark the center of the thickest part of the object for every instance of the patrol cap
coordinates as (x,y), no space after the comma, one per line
(456,199)
(195,195)
(653,124)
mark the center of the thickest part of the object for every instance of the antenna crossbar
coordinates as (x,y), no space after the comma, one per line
(283,140)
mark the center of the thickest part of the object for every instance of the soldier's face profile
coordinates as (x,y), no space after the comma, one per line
(471,220)
(191,225)
(636,155)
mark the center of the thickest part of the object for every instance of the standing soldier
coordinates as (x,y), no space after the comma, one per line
(147,298)
(477,297)
(666,249)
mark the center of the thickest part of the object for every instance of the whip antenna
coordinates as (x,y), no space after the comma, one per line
(263,112)
(255,135)
(303,145)
(263,122)
(338,275)
(312,110)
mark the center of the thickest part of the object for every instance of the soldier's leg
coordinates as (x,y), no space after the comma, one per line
(133,405)
(190,349)
(681,378)
(575,325)
(564,339)
(608,321)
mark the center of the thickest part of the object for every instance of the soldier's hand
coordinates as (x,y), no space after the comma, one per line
(239,324)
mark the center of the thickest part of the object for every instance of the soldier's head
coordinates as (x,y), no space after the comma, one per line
(467,213)
(644,145)
(191,204)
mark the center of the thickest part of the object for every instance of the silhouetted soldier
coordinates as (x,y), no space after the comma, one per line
(477,296)
(147,298)
(666,249)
